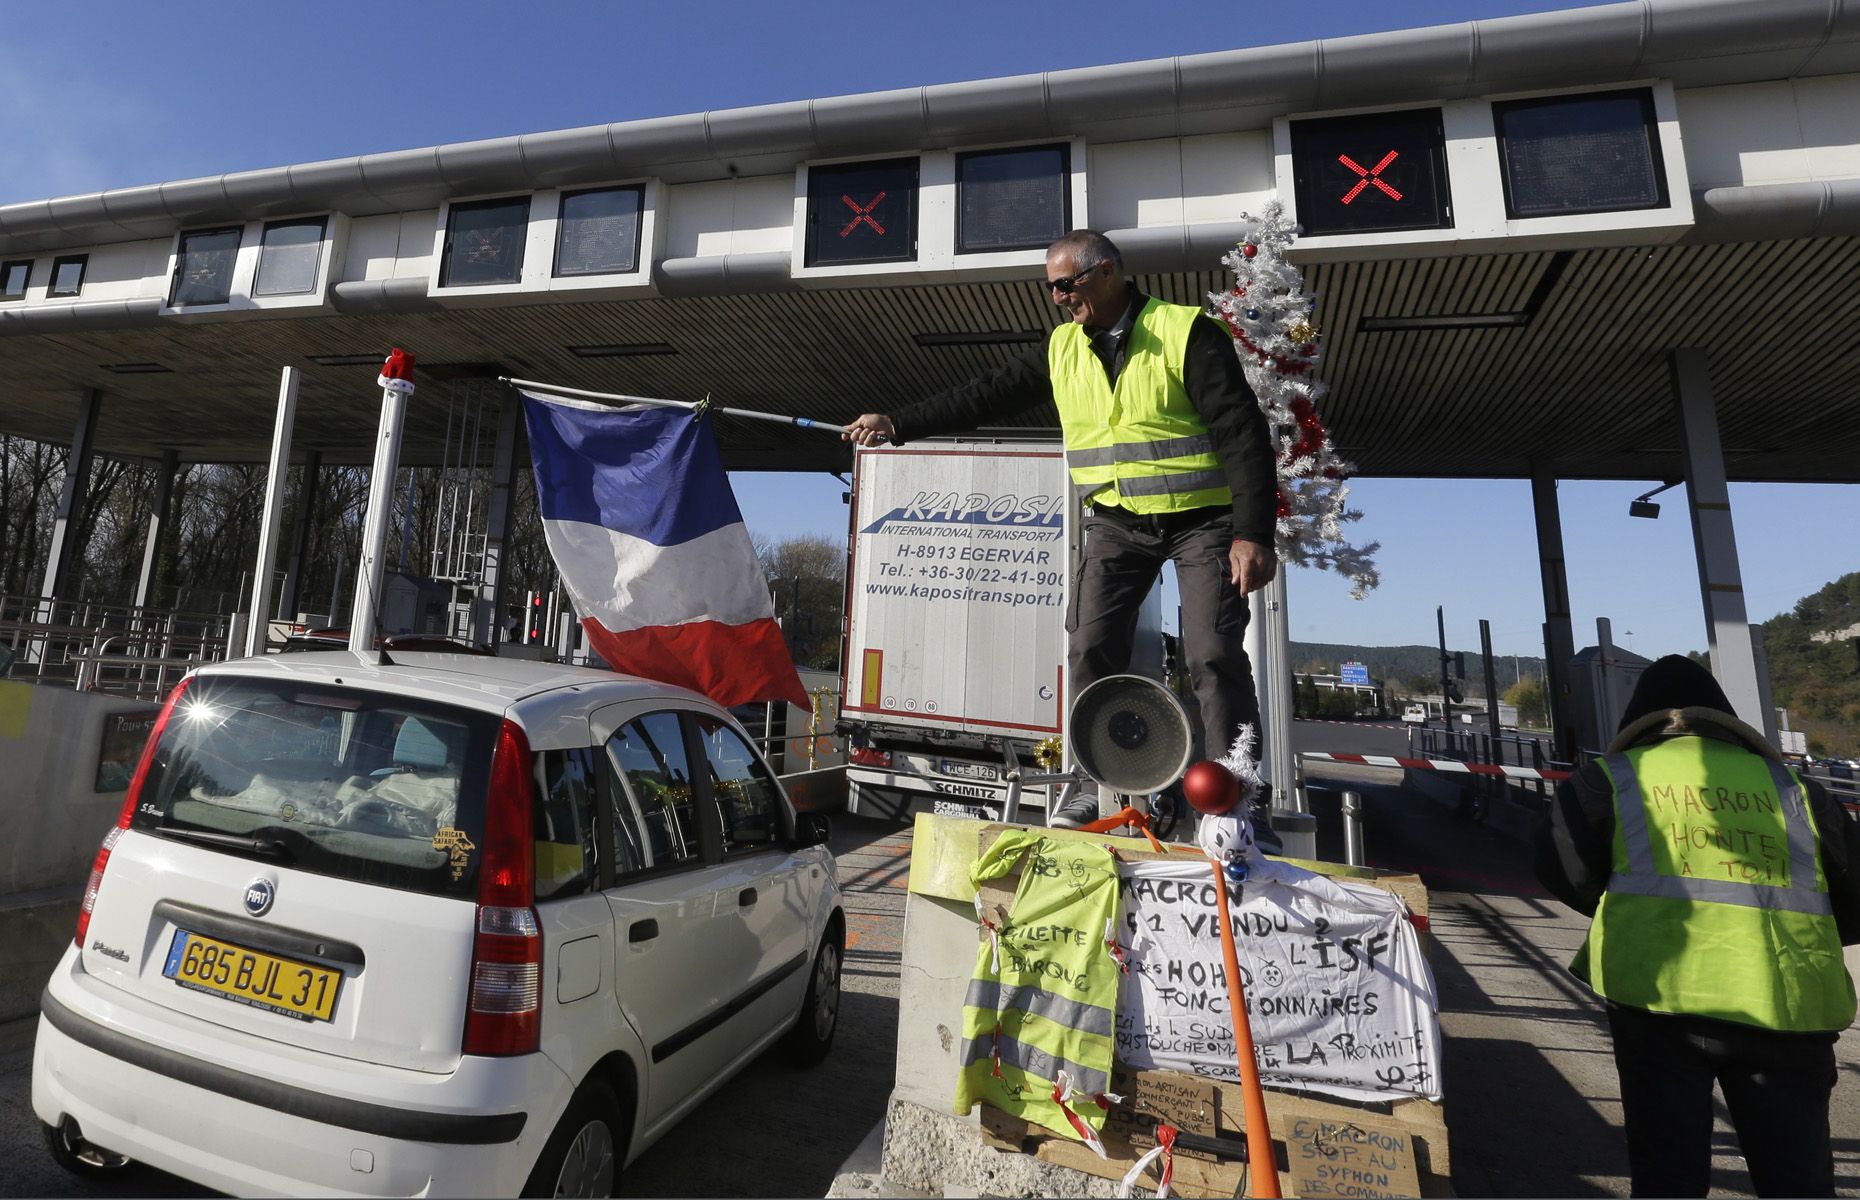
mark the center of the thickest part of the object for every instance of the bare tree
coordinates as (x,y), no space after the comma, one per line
(807,576)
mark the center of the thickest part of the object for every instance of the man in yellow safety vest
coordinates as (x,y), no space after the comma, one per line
(1168,449)
(1723,887)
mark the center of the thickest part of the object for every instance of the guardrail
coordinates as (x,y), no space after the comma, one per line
(1479,751)
(1521,759)
(789,750)
(116,648)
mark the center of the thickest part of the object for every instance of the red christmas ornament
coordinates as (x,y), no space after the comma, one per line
(1248,249)
(1211,788)
(1284,505)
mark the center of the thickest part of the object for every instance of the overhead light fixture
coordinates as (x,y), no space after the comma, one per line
(623,350)
(1643,505)
(1509,320)
(349,360)
(992,337)
(143,368)
(1553,271)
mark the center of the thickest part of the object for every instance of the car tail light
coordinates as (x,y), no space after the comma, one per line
(133,798)
(504,1010)
(866,756)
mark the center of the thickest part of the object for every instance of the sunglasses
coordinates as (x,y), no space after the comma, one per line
(1070,283)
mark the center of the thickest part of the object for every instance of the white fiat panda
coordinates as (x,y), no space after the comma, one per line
(449,925)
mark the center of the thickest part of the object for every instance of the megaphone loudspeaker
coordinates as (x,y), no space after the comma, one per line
(1130,734)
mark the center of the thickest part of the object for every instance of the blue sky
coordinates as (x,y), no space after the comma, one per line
(110,94)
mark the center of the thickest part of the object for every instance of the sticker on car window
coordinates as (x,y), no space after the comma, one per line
(455,843)
(287,811)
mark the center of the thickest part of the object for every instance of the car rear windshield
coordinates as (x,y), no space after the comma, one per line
(336,781)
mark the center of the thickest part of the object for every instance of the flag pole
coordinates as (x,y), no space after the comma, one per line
(698,406)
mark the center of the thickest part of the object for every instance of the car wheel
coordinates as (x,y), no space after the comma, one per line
(74,1154)
(583,1155)
(812,1035)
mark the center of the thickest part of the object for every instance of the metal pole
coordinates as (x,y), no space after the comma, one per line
(1714,541)
(1353,828)
(406,524)
(1491,682)
(1446,689)
(395,388)
(489,615)
(307,482)
(698,406)
(158,522)
(335,586)
(1281,763)
(1559,634)
(441,530)
(273,512)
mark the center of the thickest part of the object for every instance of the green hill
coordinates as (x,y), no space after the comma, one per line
(1401,667)
(1818,679)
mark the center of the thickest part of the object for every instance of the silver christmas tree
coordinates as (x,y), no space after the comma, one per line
(1270,315)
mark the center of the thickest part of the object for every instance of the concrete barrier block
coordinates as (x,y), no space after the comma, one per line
(940,939)
(931,1150)
(65,762)
(35,928)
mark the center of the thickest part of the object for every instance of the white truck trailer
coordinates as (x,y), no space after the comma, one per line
(955,659)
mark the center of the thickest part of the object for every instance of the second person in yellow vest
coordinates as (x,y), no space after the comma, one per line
(1168,450)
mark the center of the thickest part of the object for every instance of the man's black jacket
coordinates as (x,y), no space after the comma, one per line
(1215,384)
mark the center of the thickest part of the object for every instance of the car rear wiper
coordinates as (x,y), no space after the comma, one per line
(267,847)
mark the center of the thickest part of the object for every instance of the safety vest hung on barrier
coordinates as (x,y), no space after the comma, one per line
(1144,438)
(1717,906)
(1038,1022)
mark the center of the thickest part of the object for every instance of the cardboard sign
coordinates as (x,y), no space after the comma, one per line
(1350,1158)
(1338,995)
(1152,1098)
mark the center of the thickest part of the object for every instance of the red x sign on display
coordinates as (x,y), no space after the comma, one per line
(862,214)
(1371,177)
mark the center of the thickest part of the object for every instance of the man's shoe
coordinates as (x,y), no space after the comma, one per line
(1074,813)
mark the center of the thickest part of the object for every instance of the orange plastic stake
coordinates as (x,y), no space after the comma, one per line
(1262,1166)
(1121,818)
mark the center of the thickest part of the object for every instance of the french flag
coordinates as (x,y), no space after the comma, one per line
(645,531)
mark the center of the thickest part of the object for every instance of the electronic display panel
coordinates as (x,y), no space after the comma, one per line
(484,242)
(1595,152)
(203,271)
(1371,173)
(598,233)
(1015,199)
(288,258)
(864,212)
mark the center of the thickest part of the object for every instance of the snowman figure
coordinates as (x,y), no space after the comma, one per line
(1227,837)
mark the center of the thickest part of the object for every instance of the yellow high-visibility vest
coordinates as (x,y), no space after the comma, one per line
(1142,438)
(1043,999)
(1717,906)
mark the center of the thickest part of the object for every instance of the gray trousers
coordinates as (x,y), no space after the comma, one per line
(1123,555)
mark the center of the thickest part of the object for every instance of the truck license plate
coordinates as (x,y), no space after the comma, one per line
(967,770)
(280,985)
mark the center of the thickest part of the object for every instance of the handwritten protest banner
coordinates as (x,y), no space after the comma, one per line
(1338,995)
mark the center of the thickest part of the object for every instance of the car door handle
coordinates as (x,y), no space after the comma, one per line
(746,897)
(642,931)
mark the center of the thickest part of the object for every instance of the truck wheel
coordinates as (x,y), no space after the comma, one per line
(583,1155)
(812,1036)
(70,1151)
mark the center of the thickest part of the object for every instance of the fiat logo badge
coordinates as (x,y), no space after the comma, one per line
(258,896)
